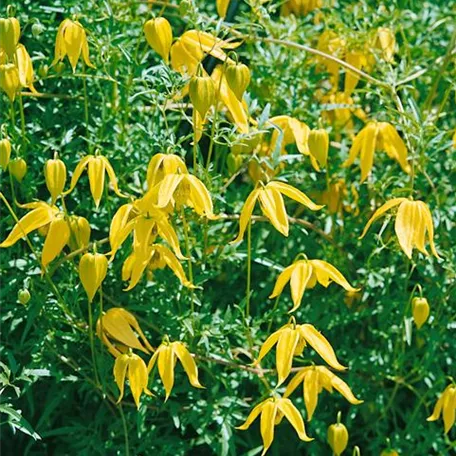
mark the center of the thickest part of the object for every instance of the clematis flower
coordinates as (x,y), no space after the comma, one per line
(120,325)
(71,41)
(161,165)
(154,257)
(292,131)
(96,166)
(92,271)
(314,379)
(413,224)
(272,411)
(386,42)
(447,405)
(338,437)
(272,205)
(359,60)
(159,36)
(9,80)
(146,221)
(340,109)
(10,32)
(222,7)
(304,274)
(300,7)
(166,356)
(42,215)
(184,190)
(373,137)
(137,376)
(291,340)
(25,68)
(331,43)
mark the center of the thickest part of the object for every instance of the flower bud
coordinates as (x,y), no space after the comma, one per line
(238,78)
(159,35)
(23,296)
(80,232)
(18,168)
(234,162)
(389,452)
(5,153)
(37,29)
(420,310)
(55,175)
(184,6)
(10,31)
(9,80)
(222,7)
(202,93)
(43,71)
(337,438)
(92,271)
(319,145)
(25,67)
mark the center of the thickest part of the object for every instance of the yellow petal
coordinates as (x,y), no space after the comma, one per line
(78,171)
(246,214)
(449,409)
(96,172)
(273,207)
(188,363)
(380,211)
(299,280)
(166,231)
(427,218)
(252,416)
(117,231)
(166,363)
(92,271)
(326,273)
(175,266)
(294,417)
(285,349)
(137,376)
(167,188)
(268,416)
(394,145)
(200,197)
(354,149)
(321,345)
(56,239)
(408,220)
(60,48)
(367,149)
(339,385)
(311,389)
(295,381)
(294,194)
(282,280)
(268,344)
(120,370)
(301,135)
(112,177)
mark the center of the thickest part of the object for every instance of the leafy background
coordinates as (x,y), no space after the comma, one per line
(50,403)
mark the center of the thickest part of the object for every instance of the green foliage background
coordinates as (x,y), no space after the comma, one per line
(50,403)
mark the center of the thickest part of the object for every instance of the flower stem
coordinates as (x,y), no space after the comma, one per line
(86,106)
(21,110)
(249,270)
(92,344)
(125,429)
(187,252)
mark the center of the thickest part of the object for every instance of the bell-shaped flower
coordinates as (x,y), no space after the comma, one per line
(71,41)
(9,80)
(79,232)
(96,166)
(42,215)
(288,130)
(116,329)
(5,153)
(154,257)
(358,59)
(55,177)
(291,339)
(304,274)
(159,36)
(161,165)
(25,68)
(314,379)
(376,136)
(222,7)
(272,206)
(447,405)
(413,224)
(338,437)
(166,356)
(420,311)
(386,42)
(92,271)
(331,43)
(10,32)
(135,367)
(272,411)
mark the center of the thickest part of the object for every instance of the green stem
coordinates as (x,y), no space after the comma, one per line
(125,429)
(249,270)
(86,106)
(188,253)
(276,303)
(92,344)
(21,110)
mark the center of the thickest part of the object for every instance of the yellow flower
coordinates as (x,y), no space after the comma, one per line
(359,60)
(184,190)
(319,145)
(288,130)
(9,80)
(154,257)
(304,274)
(238,78)
(137,376)
(55,176)
(272,206)
(96,166)
(71,41)
(5,153)
(161,165)
(373,137)
(146,221)
(447,404)
(413,223)
(338,437)
(272,412)
(202,93)
(386,42)
(331,43)
(222,7)
(420,311)
(92,271)
(25,67)
(314,379)
(166,356)
(340,109)
(159,35)
(18,168)
(10,31)
(291,340)
(120,325)
(300,7)
(79,232)
(42,215)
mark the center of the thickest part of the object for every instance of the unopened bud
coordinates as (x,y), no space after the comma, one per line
(159,35)
(319,145)
(238,78)
(23,296)
(420,311)
(55,175)
(202,93)
(18,168)
(5,153)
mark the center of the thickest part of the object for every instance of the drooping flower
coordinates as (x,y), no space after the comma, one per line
(358,59)
(314,379)
(166,356)
(161,165)
(300,7)
(272,206)
(17,167)
(386,42)
(222,7)
(154,257)
(137,376)
(304,274)
(10,31)
(71,41)
(41,215)
(120,325)
(447,405)
(338,437)
(331,43)
(272,411)
(92,271)
(55,176)
(25,68)
(202,93)
(9,80)
(96,166)
(376,136)
(79,232)
(319,145)
(238,78)
(5,153)
(420,311)
(159,35)
(413,224)
(291,339)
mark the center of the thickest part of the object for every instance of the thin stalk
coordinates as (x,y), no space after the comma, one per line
(214,123)
(249,270)
(92,343)
(187,249)
(125,429)
(21,110)
(276,303)
(86,106)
